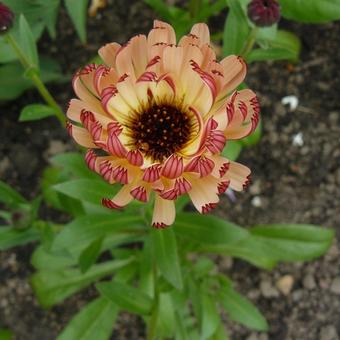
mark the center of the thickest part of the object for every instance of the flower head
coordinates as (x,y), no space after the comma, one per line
(162,113)
(6,18)
(264,12)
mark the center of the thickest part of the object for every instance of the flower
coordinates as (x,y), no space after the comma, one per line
(6,18)
(162,114)
(264,13)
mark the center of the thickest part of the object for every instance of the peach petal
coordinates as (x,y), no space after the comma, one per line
(108,53)
(200,164)
(114,145)
(135,157)
(104,77)
(141,193)
(164,212)
(202,32)
(81,136)
(152,173)
(238,175)
(122,198)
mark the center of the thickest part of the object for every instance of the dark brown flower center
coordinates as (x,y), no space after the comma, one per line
(161,130)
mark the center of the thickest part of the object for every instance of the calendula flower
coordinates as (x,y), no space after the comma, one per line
(264,13)
(6,18)
(160,114)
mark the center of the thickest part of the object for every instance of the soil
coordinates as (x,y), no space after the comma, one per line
(295,179)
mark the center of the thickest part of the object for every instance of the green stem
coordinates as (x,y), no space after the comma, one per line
(249,44)
(33,75)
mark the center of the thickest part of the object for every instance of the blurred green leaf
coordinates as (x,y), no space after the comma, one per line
(293,242)
(10,197)
(285,45)
(27,42)
(207,230)
(77,10)
(52,287)
(126,297)
(161,8)
(94,321)
(311,11)
(166,316)
(10,237)
(241,310)
(92,191)
(253,138)
(236,29)
(210,316)
(35,112)
(166,256)
(82,231)
(232,150)
(13,82)
(74,163)
(90,254)
(5,334)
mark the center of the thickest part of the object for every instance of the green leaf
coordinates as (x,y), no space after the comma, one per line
(74,163)
(208,230)
(126,297)
(166,316)
(241,309)
(5,334)
(210,317)
(35,112)
(10,197)
(10,237)
(12,77)
(311,11)
(82,231)
(236,29)
(166,255)
(161,8)
(52,287)
(92,191)
(27,42)
(293,242)
(90,254)
(94,321)
(232,150)
(284,45)
(77,10)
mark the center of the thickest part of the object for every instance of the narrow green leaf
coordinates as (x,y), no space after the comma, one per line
(166,316)
(35,112)
(126,297)
(90,254)
(52,287)
(92,191)
(5,334)
(82,231)
(10,237)
(74,163)
(166,255)
(210,317)
(241,310)
(94,321)
(293,242)
(77,10)
(10,197)
(27,42)
(236,29)
(208,230)
(311,11)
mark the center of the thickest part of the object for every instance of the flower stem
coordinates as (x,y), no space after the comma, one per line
(152,327)
(249,44)
(32,73)
(194,8)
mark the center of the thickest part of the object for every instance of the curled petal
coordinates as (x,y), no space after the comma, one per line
(135,157)
(122,198)
(200,164)
(81,136)
(108,53)
(222,187)
(140,193)
(173,167)
(238,175)
(114,145)
(152,173)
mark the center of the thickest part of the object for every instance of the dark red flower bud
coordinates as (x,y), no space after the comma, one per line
(264,12)
(6,18)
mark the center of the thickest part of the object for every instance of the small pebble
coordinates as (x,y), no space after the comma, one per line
(285,284)
(256,202)
(329,333)
(309,282)
(335,286)
(267,290)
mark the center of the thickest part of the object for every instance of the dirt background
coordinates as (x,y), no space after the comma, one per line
(296,178)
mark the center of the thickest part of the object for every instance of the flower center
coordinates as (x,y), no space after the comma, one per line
(161,130)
